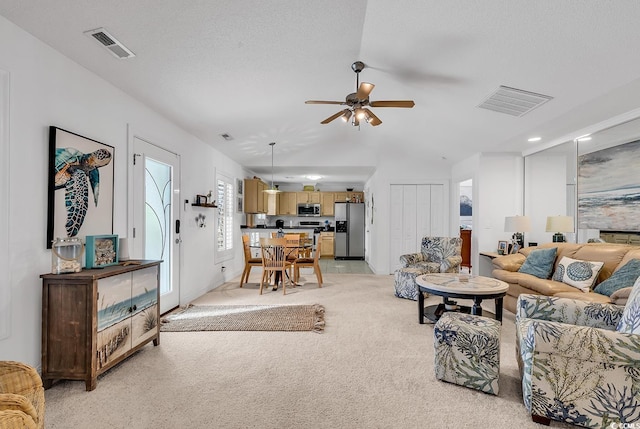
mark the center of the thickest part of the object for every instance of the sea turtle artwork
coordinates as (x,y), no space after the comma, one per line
(72,170)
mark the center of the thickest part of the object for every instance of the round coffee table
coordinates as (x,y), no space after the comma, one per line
(462,286)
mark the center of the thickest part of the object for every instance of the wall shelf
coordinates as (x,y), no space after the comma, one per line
(205,205)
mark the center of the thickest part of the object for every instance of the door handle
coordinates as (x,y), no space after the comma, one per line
(177,226)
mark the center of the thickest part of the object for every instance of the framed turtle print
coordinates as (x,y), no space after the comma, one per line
(81,175)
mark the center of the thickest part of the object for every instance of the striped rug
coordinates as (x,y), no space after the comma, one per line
(246,318)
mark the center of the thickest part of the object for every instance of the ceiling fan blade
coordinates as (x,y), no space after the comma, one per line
(364,90)
(332,117)
(373,119)
(323,102)
(393,103)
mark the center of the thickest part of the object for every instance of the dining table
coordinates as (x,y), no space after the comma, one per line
(303,246)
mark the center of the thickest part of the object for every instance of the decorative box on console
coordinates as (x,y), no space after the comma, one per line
(102,251)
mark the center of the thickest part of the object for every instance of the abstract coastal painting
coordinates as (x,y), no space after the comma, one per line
(81,178)
(609,188)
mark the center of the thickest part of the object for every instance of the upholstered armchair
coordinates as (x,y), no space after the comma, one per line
(21,397)
(579,363)
(437,255)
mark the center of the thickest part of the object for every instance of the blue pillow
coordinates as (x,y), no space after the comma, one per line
(539,263)
(624,277)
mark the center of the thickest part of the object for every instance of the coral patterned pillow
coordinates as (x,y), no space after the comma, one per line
(577,273)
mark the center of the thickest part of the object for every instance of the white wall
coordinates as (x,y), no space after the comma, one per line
(396,170)
(497,193)
(545,192)
(47,89)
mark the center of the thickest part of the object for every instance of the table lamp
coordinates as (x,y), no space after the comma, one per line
(517,225)
(559,224)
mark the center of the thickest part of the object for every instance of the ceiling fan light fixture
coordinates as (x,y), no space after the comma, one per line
(346,115)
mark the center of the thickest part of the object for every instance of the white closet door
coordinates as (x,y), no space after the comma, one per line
(395,227)
(416,211)
(423,214)
(437,211)
(409,219)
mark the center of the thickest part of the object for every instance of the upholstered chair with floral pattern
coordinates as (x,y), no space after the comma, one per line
(580,361)
(437,255)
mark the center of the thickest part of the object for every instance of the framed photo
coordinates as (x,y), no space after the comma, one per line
(503,247)
(201,200)
(515,248)
(80,188)
(239,186)
(101,251)
(239,204)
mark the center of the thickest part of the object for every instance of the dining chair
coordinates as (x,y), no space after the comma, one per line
(309,262)
(292,247)
(248,260)
(305,252)
(274,261)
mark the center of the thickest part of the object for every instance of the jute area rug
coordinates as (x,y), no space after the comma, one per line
(246,318)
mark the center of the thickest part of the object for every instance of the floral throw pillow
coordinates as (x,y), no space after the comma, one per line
(630,321)
(577,273)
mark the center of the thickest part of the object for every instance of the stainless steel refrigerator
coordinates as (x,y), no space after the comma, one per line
(349,231)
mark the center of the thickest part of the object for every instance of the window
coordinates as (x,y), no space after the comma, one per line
(224,227)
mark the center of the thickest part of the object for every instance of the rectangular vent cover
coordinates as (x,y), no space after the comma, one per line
(110,43)
(512,101)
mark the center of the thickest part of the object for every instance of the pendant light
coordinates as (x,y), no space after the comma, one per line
(272,189)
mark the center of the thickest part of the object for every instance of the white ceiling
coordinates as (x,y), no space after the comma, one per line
(246,67)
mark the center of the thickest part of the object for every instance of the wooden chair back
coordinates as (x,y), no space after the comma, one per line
(292,246)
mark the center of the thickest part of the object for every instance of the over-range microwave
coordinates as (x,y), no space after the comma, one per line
(308,209)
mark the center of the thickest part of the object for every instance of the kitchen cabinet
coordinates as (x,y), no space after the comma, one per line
(273,204)
(349,196)
(288,204)
(308,197)
(255,199)
(94,319)
(327,199)
(326,244)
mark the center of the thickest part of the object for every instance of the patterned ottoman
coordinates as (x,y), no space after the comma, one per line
(467,351)
(405,281)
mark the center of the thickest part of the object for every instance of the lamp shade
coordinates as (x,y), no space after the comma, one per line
(559,224)
(517,224)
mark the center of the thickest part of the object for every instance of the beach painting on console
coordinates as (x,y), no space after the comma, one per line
(609,188)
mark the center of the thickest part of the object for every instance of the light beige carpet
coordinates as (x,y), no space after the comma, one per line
(371,368)
(246,318)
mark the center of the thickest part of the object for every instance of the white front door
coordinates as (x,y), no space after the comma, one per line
(156,215)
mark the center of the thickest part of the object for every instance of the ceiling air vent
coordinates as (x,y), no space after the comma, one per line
(111,43)
(512,101)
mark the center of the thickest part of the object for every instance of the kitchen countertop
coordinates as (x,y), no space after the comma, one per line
(284,228)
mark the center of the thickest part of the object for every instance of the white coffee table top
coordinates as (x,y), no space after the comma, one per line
(462,284)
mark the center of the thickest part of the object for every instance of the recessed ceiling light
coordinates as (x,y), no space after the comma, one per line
(313,177)
(534,139)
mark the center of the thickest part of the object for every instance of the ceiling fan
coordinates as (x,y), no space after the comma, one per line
(358,101)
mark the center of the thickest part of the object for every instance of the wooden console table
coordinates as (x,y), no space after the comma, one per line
(96,318)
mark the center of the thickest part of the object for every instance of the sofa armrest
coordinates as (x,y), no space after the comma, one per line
(621,296)
(569,311)
(585,343)
(16,419)
(509,262)
(411,259)
(15,402)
